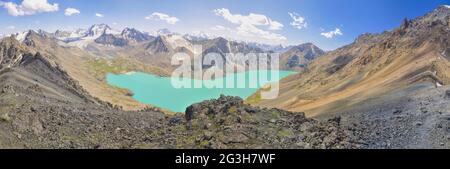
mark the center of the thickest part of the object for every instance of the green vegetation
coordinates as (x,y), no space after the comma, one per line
(255,98)
(118,65)
(285,133)
(232,109)
(104,66)
(5,117)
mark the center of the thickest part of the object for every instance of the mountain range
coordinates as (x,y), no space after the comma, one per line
(384,90)
(374,64)
(51,97)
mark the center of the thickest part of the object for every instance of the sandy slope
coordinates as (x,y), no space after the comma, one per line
(371,66)
(41,106)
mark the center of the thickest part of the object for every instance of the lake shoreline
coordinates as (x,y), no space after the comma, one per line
(159,91)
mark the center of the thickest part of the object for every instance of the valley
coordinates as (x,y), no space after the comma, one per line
(372,66)
(162,91)
(105,88)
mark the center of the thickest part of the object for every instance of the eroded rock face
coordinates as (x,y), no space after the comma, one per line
(229,123)
(108,39)
(11,52)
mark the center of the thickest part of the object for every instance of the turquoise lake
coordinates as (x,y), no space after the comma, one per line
(159,91)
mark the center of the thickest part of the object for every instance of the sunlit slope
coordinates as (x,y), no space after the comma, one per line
(418,51)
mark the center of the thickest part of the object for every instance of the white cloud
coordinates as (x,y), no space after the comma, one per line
(249,26)
(220,28)
(162,17)
(332,34)
(71,11)
(298,21)
(11,27)
(251,19)
(99,15)
(29,7)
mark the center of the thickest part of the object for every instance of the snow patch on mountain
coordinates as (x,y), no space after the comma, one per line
(20,36)
(198,36)
(176,41)
(267,47)
(98,30)
(160,32)
(79,33)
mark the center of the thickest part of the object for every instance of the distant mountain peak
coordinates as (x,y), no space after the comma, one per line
(98,30)
(220,40)
(134,35)
(20,36)
(197,36)
(11,51)
(444,7)
(164,31)
(110,39)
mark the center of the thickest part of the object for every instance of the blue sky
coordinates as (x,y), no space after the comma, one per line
(327,23)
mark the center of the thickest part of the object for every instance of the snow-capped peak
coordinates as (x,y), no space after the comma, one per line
(68,36)
(197,36)
(130,32)
(98,30)
(133,34)
(62,34)
(164,31)
(78,33)
(269,47)
(20,36)
(176,41)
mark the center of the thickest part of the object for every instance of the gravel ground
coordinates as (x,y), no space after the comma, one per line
(416,117)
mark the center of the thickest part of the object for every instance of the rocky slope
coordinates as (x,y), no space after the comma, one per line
(298,57)
(416,117)
(135,35)
(375,64)
(387,90)
(86,68)
(229,123)
(108,39)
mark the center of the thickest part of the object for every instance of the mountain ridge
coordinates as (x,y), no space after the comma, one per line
(387,90)
(42,106)
(372,65)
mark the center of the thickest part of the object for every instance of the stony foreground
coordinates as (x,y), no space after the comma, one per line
(42,107)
